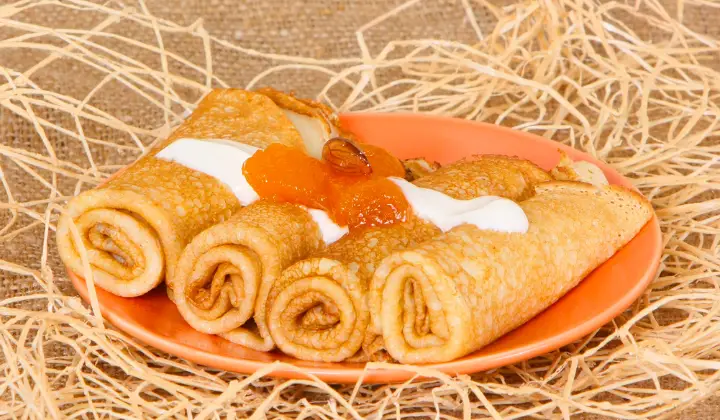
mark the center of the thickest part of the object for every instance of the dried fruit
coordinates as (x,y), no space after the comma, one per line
(343,156)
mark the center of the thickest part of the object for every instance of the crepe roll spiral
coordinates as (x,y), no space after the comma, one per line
(135,226)
(225,273)
(461,290)
(318,309)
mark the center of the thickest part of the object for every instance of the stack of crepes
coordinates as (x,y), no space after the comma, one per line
(260,273)
(318,308)
(425,296)
(226,274)
(129,233)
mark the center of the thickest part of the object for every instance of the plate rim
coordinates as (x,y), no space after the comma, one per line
(384,375)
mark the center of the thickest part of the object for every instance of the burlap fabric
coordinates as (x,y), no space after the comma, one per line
(85,87)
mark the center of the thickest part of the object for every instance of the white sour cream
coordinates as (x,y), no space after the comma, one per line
(221,159)
(445,212)
(330,231)
(224,160)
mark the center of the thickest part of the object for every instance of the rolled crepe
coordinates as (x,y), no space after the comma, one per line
(225,273)
(454,294)
(318,310)
(135,226)
(568,170)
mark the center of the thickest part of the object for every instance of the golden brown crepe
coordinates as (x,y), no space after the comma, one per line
(317,310)
(315,121)
(581,171)
(454,294)
(225,273)
(418,168)
(135,226)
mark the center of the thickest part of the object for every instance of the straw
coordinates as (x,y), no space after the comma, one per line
(631,83)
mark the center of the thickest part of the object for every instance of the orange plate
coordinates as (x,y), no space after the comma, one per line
(605,293)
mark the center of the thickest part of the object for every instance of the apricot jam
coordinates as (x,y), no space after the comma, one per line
(349,183)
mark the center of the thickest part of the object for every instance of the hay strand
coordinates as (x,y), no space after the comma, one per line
(577,71)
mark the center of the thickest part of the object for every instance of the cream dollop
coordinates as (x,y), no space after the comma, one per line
(329,230)
(223,160)
(445,212)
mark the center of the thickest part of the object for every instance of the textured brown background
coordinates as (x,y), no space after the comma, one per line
(317,28)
